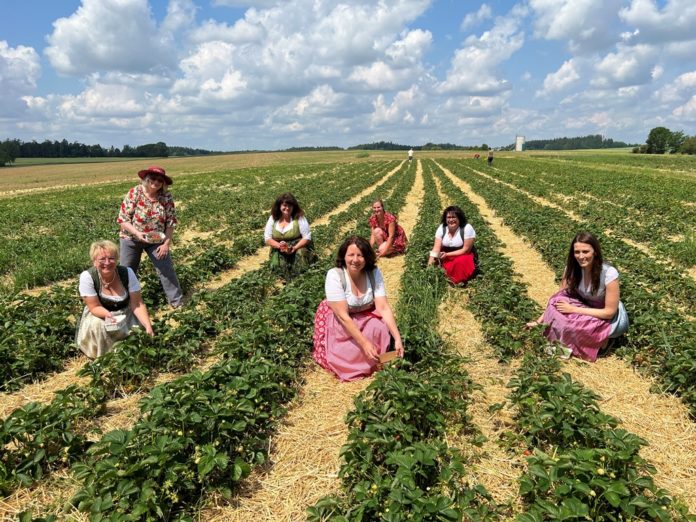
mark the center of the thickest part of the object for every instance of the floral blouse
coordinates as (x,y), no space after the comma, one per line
(146,215)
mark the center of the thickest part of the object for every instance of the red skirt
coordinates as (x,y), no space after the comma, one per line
(460,268)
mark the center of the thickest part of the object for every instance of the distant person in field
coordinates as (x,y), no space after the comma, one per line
(287,233)
(388,237)
(454,248)
(147,218)
(490,157)
(355,323)
(586,312)
(113,304)
(410,155)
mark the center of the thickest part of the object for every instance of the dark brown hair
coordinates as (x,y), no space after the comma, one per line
(573,272)
(289,199)
(458,212)
(365,249)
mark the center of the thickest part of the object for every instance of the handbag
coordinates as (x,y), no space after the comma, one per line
(117,325)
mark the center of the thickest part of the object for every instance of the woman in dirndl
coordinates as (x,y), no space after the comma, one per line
(454,246)
(355,323)
(287,233)
(113,303)
(587,311)
(387,235)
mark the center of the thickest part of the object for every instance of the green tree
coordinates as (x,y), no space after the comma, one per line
(9,150)
(689,146)
(675,141)
(658,140)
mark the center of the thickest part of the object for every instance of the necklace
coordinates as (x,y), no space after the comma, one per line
(104,283)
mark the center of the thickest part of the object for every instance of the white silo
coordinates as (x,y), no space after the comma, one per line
(519,143)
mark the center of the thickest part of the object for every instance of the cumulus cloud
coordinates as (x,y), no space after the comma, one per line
(111,35)
(586,25)
(474,65)
(686,111)
(565,76)
(473,19)
(399,110)
(19,71)
(678,90)
(628,66)
(674,22)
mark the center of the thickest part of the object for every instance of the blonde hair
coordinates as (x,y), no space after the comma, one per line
(106,245)
(163,189)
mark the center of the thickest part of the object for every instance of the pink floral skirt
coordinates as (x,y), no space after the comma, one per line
(337,352)
(583,334)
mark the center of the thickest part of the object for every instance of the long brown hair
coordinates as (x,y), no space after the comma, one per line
(573,272)
(288,199)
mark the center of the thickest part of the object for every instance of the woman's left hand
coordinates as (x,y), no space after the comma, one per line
(162,250)
(565,307)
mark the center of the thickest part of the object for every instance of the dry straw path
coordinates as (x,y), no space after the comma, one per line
(305,454)
(493,467)
(660,419)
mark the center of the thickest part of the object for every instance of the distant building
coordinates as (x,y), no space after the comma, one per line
(519,143)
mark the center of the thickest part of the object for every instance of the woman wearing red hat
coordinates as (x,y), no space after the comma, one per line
(147,218)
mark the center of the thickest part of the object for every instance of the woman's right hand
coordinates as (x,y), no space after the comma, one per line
(370,351)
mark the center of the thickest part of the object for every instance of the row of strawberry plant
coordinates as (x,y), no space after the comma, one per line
(29,356)
(123,370)
(209,429)
(659,339)
(248,329)
(651,213)
(582,465)
(396,464)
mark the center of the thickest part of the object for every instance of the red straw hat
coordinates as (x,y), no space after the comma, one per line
(157,171)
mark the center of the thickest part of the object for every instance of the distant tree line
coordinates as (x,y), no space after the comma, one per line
(591,141)
(662,140)
(312,149)
(388,145)
(10,150)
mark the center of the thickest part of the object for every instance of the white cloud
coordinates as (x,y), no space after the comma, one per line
(399,111)
(19,71)
(565,76)
(410,49)
(474,66)
(686,111)
(586,25)
(672,23)
(628,66)
(473,19)
(109,35)
(678,90)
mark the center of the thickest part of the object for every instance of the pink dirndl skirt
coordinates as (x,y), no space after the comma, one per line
(337,352)
(583,334)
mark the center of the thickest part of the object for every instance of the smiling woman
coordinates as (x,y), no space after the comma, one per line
(586,312)
(354,325)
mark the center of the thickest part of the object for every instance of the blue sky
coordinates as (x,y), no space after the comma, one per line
(264,74)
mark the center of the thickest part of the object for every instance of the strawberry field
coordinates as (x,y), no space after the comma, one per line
(204,421)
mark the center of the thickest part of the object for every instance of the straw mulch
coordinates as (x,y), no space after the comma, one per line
(662,420)
(491,466)
(304,457)
(44,391)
